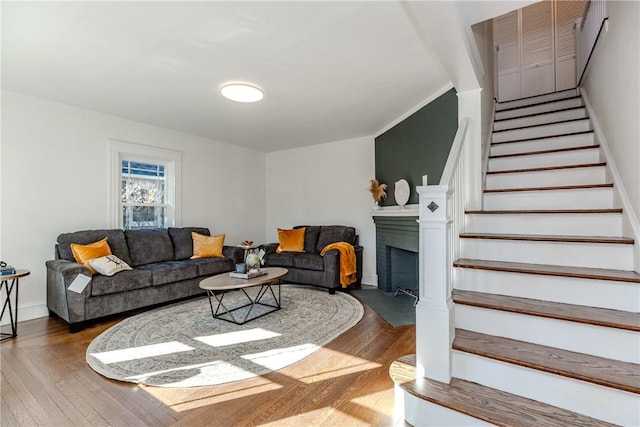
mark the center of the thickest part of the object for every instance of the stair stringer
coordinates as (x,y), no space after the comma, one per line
(630,225)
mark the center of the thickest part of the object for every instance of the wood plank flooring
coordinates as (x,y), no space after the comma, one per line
(45,381)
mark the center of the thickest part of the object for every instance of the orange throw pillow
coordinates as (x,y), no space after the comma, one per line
(291,240)
(207,246)
(85,253)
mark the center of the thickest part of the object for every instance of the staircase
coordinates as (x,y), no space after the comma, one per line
(547,323)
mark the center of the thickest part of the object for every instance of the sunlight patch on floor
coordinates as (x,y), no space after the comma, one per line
(200,367)
(272,359)
(239,337)
(317,417)
(350,364)
(135,353)
(178,403)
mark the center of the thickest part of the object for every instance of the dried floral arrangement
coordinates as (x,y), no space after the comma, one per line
(377,190)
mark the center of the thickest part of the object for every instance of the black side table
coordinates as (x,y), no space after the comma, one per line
(10,282)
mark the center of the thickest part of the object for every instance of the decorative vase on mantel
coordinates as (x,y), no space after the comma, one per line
(376,206)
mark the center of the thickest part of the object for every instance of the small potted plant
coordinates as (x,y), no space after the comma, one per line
(377,191)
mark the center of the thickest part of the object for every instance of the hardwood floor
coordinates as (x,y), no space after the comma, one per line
(45,381)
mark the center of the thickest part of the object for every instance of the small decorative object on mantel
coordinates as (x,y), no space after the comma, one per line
(402,192)
(377,192)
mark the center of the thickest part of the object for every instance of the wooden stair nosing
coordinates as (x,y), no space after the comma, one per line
(545,211)
(551,270)
(548,168)
(615,374)
(549,238)
(561,110)
(543,137)
(541,124)
(485,403)
(555,150)
(552,310)
(560,187)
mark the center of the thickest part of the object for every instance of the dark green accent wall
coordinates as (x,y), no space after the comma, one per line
(419,145)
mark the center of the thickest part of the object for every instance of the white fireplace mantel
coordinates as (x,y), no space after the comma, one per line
(406,210)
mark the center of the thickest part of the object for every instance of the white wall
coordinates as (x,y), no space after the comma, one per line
(324,184)
(612,84)
(483,35)
(55,179)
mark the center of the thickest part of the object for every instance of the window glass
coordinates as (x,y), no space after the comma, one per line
(144,185)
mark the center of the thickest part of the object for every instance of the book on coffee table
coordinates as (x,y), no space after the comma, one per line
(249,275)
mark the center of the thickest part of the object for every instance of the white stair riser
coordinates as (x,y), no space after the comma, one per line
(518,122)
(589,198)
(421,413)
(609,224)
(593,400)
(548,178)
(563,158)
(537,99)
(615,295)
(542,131)
(568,141)
(542,108)
(621,344)
(596,255)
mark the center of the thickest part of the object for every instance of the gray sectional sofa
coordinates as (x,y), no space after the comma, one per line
(309,267)
(162,272)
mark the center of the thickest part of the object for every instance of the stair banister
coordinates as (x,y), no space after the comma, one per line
(441,219)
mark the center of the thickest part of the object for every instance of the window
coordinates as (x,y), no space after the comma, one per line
(145,183)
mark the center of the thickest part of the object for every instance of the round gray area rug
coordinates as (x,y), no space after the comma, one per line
(182,345)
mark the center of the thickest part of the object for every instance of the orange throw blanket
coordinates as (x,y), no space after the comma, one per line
(347,261)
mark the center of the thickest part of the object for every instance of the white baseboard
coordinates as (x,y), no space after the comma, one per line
(370,279)
(28,312)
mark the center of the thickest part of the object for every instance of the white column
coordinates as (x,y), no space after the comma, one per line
(434,312)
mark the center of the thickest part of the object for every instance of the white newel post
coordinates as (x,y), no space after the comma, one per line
(434,312)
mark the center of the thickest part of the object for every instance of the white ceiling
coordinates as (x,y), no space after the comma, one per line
(330,70)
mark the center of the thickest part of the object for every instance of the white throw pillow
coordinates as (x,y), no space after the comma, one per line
(109,265)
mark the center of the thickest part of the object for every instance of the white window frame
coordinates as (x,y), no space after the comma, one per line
(170,159)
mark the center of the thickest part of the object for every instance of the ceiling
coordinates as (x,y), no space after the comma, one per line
(330,70)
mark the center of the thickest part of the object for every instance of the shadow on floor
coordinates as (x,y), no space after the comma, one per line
(397,311)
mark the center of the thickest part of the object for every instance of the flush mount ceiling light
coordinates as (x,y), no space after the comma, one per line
(242,92)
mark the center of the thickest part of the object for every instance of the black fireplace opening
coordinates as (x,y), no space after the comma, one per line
(404,269)
(397,252)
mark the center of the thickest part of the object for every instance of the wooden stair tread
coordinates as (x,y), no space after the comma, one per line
(544,211)
(560,187)
(541,124)
(597,370)
(550,151)
(551,270)
(539,114)
(534,104)
(543,137)
(549,238)
(485,403)
(548,168)
(553,310)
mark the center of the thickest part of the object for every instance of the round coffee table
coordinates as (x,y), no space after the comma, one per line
(219,285)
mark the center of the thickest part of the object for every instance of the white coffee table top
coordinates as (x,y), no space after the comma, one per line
(222,282)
